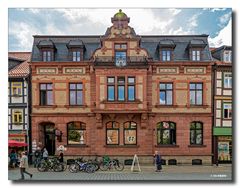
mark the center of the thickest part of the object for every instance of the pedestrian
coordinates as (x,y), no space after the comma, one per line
(24,165)
(45,154)
(13,159)
(60,157)
(158,161)
(37,157)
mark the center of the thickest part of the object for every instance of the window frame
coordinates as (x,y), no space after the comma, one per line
(131,85)
(196,56)
(17,113)
(160,131)
(120,49)
(195,129)
(195,93)
(165,91)
(82,128)
(227,53)
(168,54)
(112,129)
(75,91)
(18,88)
(46,96)
(229,111)
(129,128)
(47,55)
(229,80)
(76,58)
(121,85)
(109,84)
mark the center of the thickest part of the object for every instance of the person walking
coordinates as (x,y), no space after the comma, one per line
(45,154)
(158,161)
(24,165)
(13,159)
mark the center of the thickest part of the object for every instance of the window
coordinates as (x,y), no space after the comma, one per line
(76,93)
(46,94)
(166,133)
(131,88)
(120,54)
(166,93)
(47,55)
(16,88)
(166,55)
(196,55)
(76,55)
(76,133)
(196,133)
(17,116)
(227,80)
(112,136)
(227,56)
(111,88)
(196,93)
(121,88)
(130,133)
(227,110)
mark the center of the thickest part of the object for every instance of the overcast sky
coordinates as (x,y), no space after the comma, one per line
(23,23)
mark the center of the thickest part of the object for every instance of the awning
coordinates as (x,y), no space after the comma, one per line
(14,143)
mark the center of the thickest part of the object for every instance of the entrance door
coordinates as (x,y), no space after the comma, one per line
(49,137)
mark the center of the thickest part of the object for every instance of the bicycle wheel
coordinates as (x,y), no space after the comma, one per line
(57,168)
(119,166)
(105,167)
(64,166)
(73,168)
(90,168)
(42,167)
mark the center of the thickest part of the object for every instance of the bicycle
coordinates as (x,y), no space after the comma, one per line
(80,165)
(113,163)
(51,164)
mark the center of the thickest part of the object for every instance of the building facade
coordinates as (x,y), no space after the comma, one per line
(222,131)
(19,103)
(122,94)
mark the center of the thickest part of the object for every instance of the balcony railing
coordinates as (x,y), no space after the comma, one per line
(112,61)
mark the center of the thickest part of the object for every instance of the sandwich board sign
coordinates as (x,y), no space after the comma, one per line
(135,160)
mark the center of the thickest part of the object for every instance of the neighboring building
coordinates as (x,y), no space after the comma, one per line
(19,97)
(222,130)
(123,94)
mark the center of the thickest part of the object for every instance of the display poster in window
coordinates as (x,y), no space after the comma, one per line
(223,151)
(130,137)
(112,137)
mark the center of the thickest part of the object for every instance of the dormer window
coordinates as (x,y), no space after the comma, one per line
(166,48)
(76,55)
(227,56)
(196,55)
(47,49)
(47,55)
(166,55)
(120,55)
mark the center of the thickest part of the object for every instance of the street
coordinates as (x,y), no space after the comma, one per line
(222,172)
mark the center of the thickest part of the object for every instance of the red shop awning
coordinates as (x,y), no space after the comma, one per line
(14,143)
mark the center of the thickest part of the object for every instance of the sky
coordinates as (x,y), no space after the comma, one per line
(24,23)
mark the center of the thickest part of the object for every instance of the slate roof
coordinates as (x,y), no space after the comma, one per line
(217,53)
(149,42)
(21,70)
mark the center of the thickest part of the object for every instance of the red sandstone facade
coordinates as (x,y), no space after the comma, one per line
(145,111)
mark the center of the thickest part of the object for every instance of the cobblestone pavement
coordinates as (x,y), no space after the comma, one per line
(222,172)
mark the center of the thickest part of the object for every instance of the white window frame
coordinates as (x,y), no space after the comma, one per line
(229,80)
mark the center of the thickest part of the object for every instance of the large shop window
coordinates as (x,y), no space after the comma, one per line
(17,116)
(166,133)
(46,94)
(130,133)
(76,133)
(165,93)
(196,93)
(16,88)
(227,80)
(112,135)
(227,110)
(47,55)
(196,133)
(76,93)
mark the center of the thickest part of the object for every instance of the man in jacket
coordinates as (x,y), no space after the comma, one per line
(24,165)
(158,161)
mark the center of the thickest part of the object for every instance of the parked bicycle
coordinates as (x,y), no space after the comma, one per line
(51,164)
(80,165)
(110,164)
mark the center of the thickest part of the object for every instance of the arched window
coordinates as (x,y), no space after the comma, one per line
(196,133)
(112,135)
(76,133)
(130,133)
(166,133)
